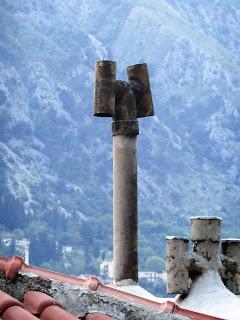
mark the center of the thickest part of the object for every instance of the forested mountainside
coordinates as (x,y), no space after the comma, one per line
(55,157)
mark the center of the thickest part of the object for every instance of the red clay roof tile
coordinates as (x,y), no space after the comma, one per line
(97,316)
(2,263)
(12,267)
(7,301)
(17,313)
(37,301)
(56,313)
(92,283)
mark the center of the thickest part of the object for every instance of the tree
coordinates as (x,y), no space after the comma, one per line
(155,264)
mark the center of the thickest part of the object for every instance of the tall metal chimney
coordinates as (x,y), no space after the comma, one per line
(124,101)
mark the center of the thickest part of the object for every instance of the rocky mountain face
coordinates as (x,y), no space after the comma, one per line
(55,157)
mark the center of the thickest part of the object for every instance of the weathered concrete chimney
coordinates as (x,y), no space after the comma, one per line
(231,264)
(177,265)
(206,239)
(196,276)
(183,266)
(125,101)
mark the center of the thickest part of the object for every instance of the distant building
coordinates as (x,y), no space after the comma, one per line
(106,273)
(21,246)
(153,277)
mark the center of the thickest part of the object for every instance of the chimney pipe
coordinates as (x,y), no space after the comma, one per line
(231,264)
(177,267)
(104,94)
(125,101)
(206,271)
(206,233)
(182,265)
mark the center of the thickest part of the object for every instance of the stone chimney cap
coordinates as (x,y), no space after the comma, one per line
(206,218)
(177,238)
(236,240)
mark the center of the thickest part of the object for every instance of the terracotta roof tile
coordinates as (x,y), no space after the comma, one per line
(7,301)
(17,313)
(13,266)
(97,316)
(92,283)
(56,313)
(37,302)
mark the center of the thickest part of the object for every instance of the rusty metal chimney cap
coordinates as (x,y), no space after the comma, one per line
(137,65)
(106,69)
(206,218)
(104,88)
(177,238)
(105,62)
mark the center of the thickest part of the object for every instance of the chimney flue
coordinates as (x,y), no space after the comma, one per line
(125,101)
(182,265)
(177,273)
(206,235)
(231,264)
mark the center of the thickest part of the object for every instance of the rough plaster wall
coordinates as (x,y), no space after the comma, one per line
(18,287)
(80,301)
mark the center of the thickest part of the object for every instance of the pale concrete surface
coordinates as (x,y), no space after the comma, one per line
(209,295)
(141,292)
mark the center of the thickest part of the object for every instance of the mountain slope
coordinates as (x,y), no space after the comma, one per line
(56,168)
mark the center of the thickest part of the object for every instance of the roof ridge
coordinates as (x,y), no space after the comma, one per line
(93,283)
